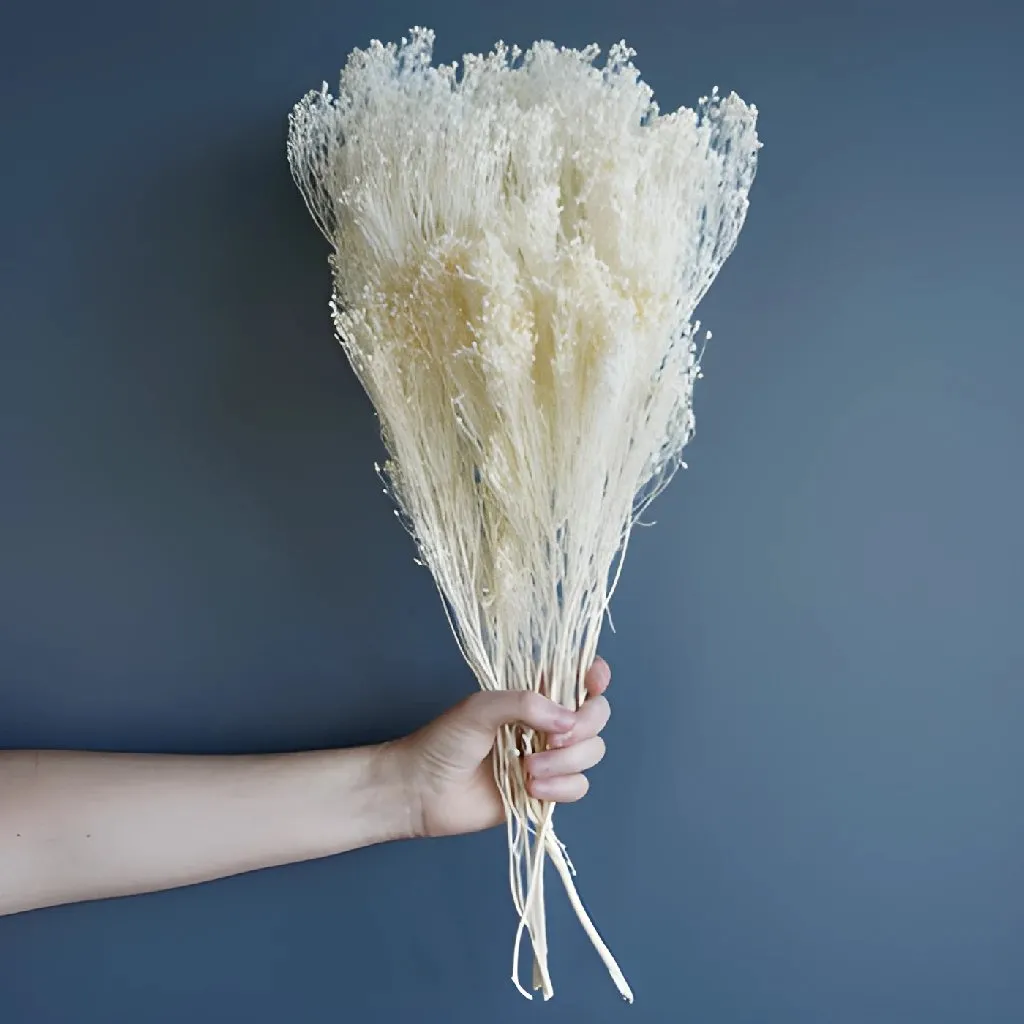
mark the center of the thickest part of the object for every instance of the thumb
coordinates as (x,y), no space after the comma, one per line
(489,710)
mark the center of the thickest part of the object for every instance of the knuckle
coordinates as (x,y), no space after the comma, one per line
(527,700)
(529,705)
(475,703)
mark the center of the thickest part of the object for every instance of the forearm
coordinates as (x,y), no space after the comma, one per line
(78,826)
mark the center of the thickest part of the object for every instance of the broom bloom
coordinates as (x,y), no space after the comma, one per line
(518,249)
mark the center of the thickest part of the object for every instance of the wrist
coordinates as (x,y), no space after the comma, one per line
(395,795)
(363,799)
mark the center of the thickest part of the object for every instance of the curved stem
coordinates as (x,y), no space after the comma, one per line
(554,851)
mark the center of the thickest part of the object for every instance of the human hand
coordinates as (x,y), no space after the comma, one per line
(447,770)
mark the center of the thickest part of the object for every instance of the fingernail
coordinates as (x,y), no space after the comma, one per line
(564,720)
(560,739)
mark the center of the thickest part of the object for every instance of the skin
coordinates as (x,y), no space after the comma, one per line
(78,826)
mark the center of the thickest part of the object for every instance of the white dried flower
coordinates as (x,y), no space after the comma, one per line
(518,250)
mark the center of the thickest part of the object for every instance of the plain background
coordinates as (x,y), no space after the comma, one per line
(811,811)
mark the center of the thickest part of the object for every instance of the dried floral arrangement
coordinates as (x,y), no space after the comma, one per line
(518,250)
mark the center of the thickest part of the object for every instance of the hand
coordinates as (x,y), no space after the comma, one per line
(447,769)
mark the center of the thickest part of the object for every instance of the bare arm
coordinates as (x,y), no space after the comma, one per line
(79,826)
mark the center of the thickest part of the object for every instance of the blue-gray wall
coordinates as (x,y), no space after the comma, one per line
(812,809)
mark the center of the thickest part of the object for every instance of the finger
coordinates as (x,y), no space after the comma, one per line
(593,714)
(590,720)
(580,757)
(598,676)
(488,711)
(561,789)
